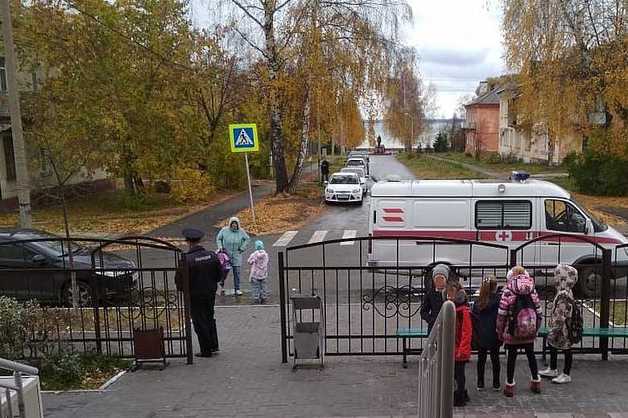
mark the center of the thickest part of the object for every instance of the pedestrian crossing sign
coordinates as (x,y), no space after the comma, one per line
(243,137)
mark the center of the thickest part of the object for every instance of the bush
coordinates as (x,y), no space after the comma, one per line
(192,185)
(62,370)
(16,320)
(598,173)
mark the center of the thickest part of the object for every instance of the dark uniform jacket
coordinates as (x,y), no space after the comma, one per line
(205,272)
(432,302)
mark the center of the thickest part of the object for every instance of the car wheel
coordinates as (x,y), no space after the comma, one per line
(84,294)
(589,284)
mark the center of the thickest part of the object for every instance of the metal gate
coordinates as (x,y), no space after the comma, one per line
(121,285)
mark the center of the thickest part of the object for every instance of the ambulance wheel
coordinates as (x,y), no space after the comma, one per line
(589,284)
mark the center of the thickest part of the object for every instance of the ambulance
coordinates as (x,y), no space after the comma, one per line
(503,213)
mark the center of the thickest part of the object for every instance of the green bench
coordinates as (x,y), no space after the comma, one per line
(405,334)
(620,332)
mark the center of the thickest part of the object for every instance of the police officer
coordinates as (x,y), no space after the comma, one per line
(205,274)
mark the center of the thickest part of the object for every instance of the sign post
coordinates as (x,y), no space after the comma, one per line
(243,138)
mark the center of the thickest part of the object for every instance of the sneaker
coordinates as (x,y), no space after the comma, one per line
(509,390)
(549,373)
(535,386)
(480,386)
(563,378)
(238,292)
(497,386)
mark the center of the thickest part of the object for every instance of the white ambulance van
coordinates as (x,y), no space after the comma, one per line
(505,213)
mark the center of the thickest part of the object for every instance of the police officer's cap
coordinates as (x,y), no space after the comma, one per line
(192,234)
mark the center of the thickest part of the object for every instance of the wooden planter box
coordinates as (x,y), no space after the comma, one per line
(149,346)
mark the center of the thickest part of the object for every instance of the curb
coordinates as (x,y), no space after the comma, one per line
(102,388)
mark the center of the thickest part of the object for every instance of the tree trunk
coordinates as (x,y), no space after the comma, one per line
(305,141)
(276,130)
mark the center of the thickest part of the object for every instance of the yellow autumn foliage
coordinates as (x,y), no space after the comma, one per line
(190,185)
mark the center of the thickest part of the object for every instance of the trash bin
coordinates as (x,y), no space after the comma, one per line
(309,336)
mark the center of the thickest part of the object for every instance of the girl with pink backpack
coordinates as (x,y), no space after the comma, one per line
(518,321)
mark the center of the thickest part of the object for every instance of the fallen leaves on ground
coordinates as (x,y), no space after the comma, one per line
(282,212)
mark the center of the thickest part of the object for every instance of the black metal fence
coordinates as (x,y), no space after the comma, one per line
(91,295)
(367,300)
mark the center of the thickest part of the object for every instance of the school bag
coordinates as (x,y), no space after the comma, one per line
(575,324)
(225,263)
(524,318)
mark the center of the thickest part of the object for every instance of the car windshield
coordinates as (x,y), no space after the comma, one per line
(56,246)
(355,162)
(597,225)
(340,179)
(357,171)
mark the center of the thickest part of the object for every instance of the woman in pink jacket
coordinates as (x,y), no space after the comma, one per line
(259,273)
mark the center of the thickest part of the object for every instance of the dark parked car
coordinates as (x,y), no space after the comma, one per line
(36,265)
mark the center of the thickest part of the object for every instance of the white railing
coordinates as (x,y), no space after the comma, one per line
(16,389)
(436,367)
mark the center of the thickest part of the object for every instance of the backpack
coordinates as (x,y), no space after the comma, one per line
(575,324)
(225,263)
(523,321)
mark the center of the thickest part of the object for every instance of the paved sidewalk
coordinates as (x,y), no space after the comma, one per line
(247,379)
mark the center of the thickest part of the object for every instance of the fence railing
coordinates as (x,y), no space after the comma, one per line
(367,299)
(121,286)
(19,370)
(436,367)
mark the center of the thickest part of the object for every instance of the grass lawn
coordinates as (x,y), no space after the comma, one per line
(619,314)
(113,213)
(79,371)
(503,167)
(428,168)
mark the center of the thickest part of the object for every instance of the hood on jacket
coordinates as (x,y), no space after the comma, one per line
(259,245)
(511,273)
(461,298)
(521,284)
(232,220)
(565,277)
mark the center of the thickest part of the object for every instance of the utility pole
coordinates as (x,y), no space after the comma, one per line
(21,169)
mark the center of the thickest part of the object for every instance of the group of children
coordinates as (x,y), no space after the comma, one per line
(510,316)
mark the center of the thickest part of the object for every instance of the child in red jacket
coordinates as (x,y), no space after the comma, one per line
(464,332)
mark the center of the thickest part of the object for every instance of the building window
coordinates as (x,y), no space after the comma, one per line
(9,155)
(503,214)
(3,76)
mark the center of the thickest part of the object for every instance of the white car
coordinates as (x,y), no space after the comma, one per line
(358,162)
(360,173)
(343,187)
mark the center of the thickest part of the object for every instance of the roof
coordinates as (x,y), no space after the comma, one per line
(467,188)
(490,98)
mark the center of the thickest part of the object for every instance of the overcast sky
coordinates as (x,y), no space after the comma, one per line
(459,44)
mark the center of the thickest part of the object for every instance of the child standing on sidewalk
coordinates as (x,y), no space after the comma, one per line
(518,321)
(259,272)
(484,315)
(464,333)
(565,324)
(434,297)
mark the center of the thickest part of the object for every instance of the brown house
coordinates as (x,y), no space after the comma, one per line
(482,122)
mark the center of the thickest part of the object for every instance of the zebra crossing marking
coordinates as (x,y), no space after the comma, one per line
(349,233)
(285,239)
(318,236)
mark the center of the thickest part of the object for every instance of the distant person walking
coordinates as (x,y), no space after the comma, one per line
(565,324)
(518,321)
(324,170)
(234,240)
(205,273)
(258,261)
(484,315)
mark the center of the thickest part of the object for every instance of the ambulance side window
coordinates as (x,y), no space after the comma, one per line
(503,214)
(562,216)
